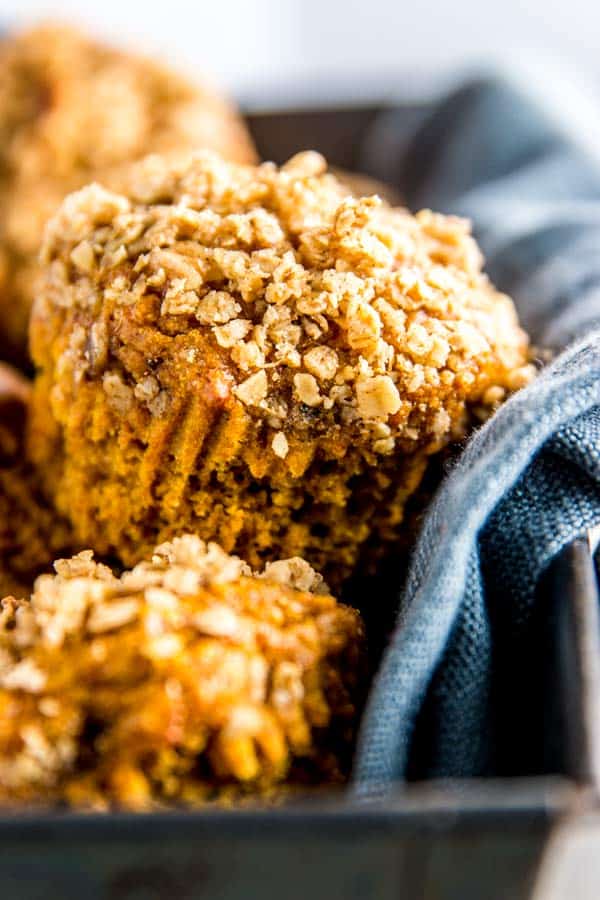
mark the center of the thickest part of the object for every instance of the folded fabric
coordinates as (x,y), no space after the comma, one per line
(457,690)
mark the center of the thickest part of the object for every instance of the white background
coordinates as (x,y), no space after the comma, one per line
(278,52)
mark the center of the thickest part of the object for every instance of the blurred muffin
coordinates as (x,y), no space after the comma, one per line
(186,679)
(31,534)
(71,110)
(361,185)
(251,354)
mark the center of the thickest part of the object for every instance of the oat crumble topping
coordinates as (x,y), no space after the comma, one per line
(300,284)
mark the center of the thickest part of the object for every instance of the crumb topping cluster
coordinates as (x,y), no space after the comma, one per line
(368,315)
(187,672)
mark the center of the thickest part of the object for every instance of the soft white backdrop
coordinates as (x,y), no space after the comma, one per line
(277,52)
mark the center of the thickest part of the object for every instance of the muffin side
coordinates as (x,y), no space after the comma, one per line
(32,534)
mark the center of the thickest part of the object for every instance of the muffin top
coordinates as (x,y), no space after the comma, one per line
(70,104)
(183,674)
(71,108)
(323,313)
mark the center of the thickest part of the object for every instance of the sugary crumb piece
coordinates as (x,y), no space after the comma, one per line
(305,164)
(307,389)
(253,389)
(120,395)
(232,333)
(83,257)
(295,573)
(217,308)
(321,362)
(377,397)
(384,446)
(24,676)
(110,616)
(280,445)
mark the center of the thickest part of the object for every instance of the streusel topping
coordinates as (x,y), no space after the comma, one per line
(315,298)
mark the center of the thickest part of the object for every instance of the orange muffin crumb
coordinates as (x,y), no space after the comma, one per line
(72,110)
(32,535)
(251,354)
(186,679)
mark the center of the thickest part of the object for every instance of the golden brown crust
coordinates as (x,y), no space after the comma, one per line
(252,354)
(72,110)
(182,680)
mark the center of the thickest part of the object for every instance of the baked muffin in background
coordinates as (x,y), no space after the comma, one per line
(252,354)
(361,185)
(32,536)
(71,111)
(187,679)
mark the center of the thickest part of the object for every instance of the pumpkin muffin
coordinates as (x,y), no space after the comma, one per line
(71,110)
(187,679)
(31,534)
(251,354)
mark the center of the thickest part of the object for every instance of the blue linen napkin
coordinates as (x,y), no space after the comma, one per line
(455,693)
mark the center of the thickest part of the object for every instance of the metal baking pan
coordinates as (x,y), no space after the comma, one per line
(463,840)
(457,840)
